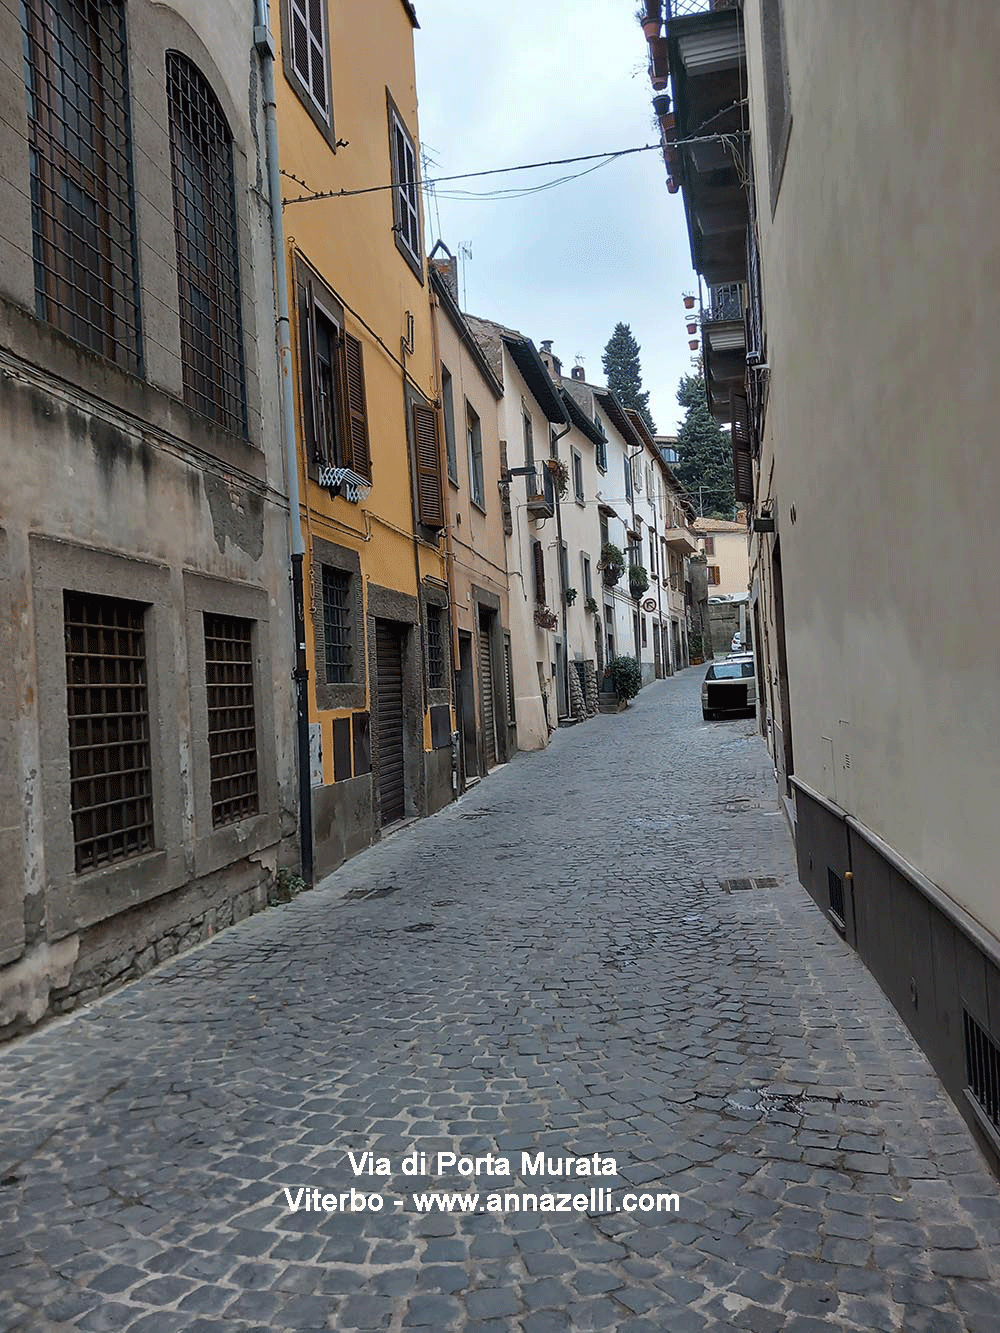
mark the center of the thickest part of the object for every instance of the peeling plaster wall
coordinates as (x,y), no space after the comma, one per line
(110,484)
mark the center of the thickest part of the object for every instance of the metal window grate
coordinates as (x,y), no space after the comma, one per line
(435,648)
(232,732)
(82,215)
(336,625)
(208,279)
(107,705)
(835,886)
(982,1068)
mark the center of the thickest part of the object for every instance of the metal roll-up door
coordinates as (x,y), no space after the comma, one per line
(486,694)
(389,720)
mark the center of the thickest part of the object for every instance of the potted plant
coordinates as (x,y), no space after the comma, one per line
(659,69)
(661,105)
(688,301)
(692,328)
(611,563)
(672,186)
(638,580)
(695,648)
(650,18)
(591,605)
(626,678)
(693,344)
(560,475)
(545,619)
(570,596)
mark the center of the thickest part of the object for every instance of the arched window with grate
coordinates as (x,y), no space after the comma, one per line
(208,275)
(80,147)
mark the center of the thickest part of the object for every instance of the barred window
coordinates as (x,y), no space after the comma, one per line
(435,648)
(79,139)
(336,625)
(208,279)
(107,704)
(232,729)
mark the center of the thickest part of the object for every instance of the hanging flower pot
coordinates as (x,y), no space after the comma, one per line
(650,28)
(689,303)
(661,105)
(672,186)
(692,328)
(667,124)
(693,344)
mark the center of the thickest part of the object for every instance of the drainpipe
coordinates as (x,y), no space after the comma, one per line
(264,45)
(564,610)
(635,622)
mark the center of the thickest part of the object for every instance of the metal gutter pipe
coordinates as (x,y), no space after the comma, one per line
(264,46)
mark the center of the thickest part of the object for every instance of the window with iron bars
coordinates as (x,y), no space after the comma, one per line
(435,648)
(336,625)
(80,152)
(232,728)
(107,705)
(205,227)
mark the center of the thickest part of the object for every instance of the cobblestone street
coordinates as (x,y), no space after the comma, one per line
(553,963)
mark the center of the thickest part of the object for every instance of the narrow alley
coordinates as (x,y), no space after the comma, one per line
(570,960)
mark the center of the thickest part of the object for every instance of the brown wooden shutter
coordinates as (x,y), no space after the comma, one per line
(357,450)
(742,462)
(430,497)
(539,572)
(309,380)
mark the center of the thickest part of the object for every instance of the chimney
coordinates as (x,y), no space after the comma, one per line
(577,372)
(448,270)
(552,363)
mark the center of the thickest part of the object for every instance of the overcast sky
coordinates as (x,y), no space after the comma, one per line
(533,80)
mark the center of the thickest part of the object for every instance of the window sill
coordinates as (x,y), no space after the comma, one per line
(414,262)
(454,483)
(234,842)
(480,507)
(581,502)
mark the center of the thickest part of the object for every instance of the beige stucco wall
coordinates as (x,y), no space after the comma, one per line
(731,557)
(880,271)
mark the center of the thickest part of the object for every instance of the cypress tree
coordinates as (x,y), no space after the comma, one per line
(705,453)
(624,373)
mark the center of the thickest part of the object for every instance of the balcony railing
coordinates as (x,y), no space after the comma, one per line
(682,8)
(541,495)
(725,303)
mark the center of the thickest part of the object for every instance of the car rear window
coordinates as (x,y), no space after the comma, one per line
(729,670)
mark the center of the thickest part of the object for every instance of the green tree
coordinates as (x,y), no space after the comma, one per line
(705,469)
(624,373)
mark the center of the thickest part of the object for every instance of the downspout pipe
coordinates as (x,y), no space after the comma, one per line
(564,611)
(264,45)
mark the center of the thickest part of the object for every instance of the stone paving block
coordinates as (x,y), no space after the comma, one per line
(566,1002)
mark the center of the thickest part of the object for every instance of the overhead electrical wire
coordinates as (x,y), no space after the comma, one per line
(601,158)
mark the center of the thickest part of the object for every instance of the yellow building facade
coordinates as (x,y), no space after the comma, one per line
(370,469)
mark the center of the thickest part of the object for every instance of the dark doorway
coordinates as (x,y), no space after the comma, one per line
(466,696)
(758,657)
(561,700)
(487,691)
(783,752)
(389,720)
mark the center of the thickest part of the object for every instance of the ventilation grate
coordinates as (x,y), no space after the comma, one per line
(982,1069)
(836,887)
